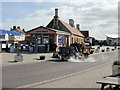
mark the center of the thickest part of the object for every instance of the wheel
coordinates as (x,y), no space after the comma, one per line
(65,58)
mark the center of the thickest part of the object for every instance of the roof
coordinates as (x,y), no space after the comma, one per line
(3,32)
(58,31)
(73,30)
(19,30)
(85,33)
(112,35)
(55,30)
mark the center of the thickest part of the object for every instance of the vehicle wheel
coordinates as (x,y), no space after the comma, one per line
(65,58)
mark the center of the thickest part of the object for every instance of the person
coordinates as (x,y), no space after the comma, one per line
(46,47)
(54,47)
(30,49)
(12,48)
(7,49)
(82,47)
(86,51)
(55,54)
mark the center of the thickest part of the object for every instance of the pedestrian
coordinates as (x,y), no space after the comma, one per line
(46,48)
(7,49)
(54,47)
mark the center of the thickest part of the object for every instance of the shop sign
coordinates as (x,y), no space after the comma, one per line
(41,31)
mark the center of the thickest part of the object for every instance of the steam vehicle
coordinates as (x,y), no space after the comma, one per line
(68,52)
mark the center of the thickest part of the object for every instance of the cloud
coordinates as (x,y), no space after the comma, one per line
(39,17)
(97,16)
(23,0)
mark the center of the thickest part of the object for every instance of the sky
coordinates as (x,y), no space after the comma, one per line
(100,17)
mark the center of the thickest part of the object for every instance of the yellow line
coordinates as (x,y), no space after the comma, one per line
(57,78)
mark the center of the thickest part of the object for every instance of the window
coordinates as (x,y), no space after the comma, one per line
(45,40)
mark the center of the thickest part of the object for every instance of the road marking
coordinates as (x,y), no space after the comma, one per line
(58,78)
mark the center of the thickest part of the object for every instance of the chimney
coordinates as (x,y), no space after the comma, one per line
(71,22)
(78,26)
(14,27)
(23,29)
(18,27)
(56,12)
(55,20)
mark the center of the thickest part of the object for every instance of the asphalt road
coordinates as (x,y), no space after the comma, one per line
(19,75)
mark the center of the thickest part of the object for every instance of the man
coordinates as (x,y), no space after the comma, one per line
(54,47)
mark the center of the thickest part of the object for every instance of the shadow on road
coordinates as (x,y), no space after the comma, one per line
(12,61)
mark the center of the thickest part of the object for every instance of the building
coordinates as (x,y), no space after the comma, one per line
(85,33)
(90,40)
(112,39)
(75,33)
(8,37)
(11,36)
(44,35)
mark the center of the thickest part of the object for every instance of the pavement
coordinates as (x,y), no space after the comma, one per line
(7,59)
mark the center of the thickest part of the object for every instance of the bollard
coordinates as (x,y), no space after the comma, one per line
(18,58)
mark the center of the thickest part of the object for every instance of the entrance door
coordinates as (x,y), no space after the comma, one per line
(51,41)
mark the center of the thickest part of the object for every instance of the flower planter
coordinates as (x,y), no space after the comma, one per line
(18,58)
(107,49)
(42,58)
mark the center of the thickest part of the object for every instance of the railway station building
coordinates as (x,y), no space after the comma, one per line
(57,31)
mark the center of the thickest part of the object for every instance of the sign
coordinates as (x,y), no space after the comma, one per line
(60,39)
(41,31)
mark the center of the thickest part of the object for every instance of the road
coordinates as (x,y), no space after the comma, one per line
(27,75)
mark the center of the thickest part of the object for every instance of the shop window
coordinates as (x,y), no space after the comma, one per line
(39,40)
(45,40)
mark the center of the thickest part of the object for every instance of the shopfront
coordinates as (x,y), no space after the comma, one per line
(43,36)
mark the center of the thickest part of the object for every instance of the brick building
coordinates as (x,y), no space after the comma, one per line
(76,35)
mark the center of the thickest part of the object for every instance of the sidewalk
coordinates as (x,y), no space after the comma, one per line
(8,58)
